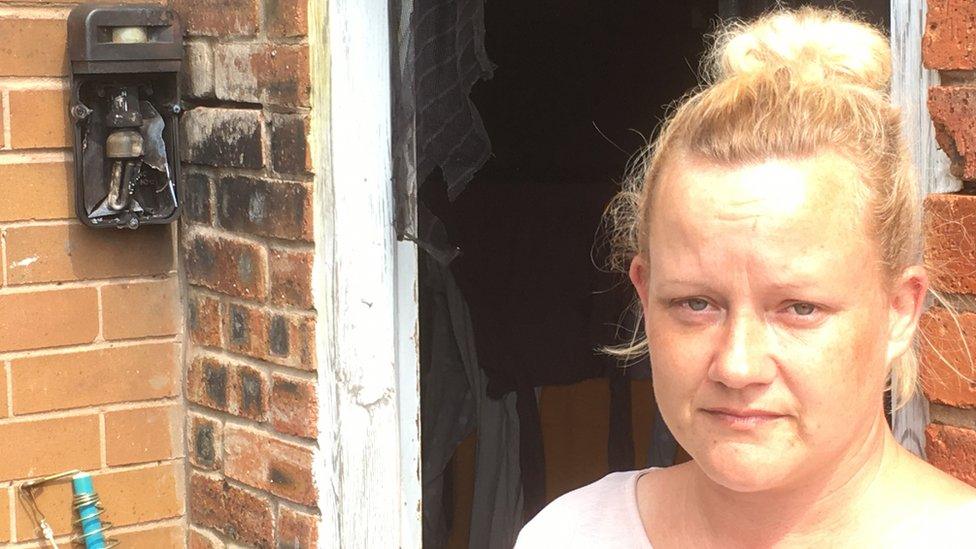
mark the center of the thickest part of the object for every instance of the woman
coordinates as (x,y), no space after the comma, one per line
(774,242)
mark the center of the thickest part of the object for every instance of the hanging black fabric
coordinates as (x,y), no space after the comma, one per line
(438,56)
(539,303)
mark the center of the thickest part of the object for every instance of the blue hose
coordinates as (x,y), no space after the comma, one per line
(86,502)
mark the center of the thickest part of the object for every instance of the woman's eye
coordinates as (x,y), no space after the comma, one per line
(803,309)
(696,304)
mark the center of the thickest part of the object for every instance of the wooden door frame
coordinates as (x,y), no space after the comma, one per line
(367,469)
(909,90)
(365,281)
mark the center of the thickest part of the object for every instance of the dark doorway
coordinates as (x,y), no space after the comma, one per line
(579,88)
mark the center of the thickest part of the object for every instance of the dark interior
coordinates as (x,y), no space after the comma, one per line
(579,88)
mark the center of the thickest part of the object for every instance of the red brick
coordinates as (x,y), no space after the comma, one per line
(5,514)
(944,341)
(198,69)
(271,74)
(297,530)
(235,512)
(205,442)
(204,320)
(49,318)
(953,110)
(270,464)
(90,378)
(221,18)
(141,309)
(289,144)
(277,209)
(286,18)
(124,494)
(950,35)
(306,345)
(36,191)
(3,395)
(294,406)
(227,266)
(39,119)
(198,198)
(58,253)
(263,334)
(223,137)
(42,447)
(952,449)
(142,435)
(223,385)
(33,47)
(201,539)
(291,278)
(950,232)
(166,537)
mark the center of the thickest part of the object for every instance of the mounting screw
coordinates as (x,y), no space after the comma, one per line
(176,108)
(80,112)
(133,223)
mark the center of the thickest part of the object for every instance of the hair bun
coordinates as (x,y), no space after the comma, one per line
(813,45)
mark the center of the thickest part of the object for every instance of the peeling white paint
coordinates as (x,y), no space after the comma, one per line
(909,90)
(367,466)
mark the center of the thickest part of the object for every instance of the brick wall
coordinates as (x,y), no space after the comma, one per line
(90,322)
(949,46)
(247,250)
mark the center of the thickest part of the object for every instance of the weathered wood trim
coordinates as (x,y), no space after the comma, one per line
(909,87)
(364,286)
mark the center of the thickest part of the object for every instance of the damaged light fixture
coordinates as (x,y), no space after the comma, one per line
(125,103)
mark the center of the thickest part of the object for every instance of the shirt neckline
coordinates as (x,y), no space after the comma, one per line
(633,510)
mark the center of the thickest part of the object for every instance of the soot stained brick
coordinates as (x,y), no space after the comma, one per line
(227,266)
(279,477)
(203,444)
(289,150)
(278,336)
(239,330)
(252,401)
(267,208)
(202,256)
(196,198)
(193,315)
(215,383)
(223,137)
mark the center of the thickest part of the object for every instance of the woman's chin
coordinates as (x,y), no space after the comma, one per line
(745,469)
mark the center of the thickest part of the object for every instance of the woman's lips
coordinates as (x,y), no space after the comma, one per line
(742,419)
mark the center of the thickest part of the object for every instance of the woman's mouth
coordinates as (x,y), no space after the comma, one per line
(742,419)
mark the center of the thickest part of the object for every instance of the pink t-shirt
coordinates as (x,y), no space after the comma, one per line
(602,514)
(605,514)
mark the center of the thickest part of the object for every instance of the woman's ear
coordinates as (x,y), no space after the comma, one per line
(638,277)
(907,302)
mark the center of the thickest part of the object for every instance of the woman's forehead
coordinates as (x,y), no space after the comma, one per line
(792,209)
(822,189)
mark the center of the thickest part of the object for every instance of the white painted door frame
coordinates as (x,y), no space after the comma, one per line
(909,87)
(365,284)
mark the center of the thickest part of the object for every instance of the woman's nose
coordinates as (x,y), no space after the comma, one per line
(743,357)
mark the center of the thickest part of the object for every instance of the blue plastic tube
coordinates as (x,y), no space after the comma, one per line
(91,524)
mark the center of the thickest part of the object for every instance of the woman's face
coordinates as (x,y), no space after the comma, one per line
(768,323)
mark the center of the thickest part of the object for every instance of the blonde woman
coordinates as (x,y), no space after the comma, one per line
(773,238)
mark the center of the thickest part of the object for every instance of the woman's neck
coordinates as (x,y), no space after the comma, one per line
(829,503)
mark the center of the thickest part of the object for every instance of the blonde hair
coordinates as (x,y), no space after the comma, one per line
(791,84)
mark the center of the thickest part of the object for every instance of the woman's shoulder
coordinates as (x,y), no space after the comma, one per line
(601,514)
(932,508)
